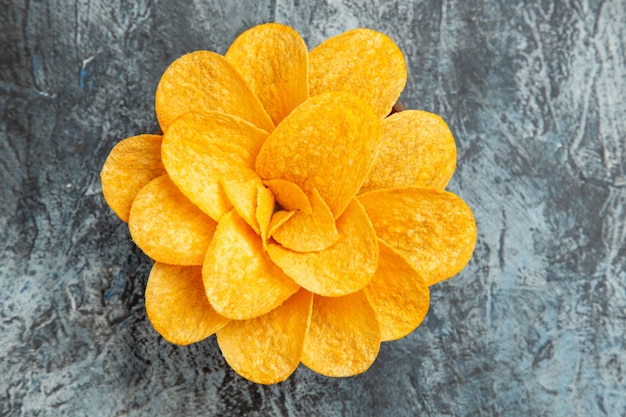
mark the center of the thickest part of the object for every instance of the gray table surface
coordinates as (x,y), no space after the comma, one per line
(535,93)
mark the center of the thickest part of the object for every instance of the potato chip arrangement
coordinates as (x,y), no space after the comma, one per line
(286,212)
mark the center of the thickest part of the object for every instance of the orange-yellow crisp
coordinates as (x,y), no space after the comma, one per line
(285,210)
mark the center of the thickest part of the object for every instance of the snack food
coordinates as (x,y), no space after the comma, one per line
(285,212)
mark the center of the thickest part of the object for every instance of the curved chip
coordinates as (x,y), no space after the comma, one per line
(329,143)
(363,62)
(167,226)
(345,267)
(177,306)
(132,164)
(289,195)
(204,81)
(241,281)
(343,337)
(274,61)
(398,295)
(264,209)
(201,151)
(434,230)
(417,150)
(243,196)
(278,219)
(267,349)
(307,232)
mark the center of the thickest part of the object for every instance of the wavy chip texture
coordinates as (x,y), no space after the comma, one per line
(284,209)
(267,349)
(332,154)
(265,203)
(417,150)
(398,294)
(167,226)
(303,232)
(204,81)
(177,307)
(362,62)
(345,267)
(274,61)
(243,195)
(434,230)
(278,219)
(130,166)
(289,196)
(240,280)
(343,337)
(203,151)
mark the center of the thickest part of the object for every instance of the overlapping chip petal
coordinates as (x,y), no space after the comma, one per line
(240,280)
(338,65)
(273,60)
(434,230)
(331,154)
(345,267)
(267,349)
(130,166)
(167,226)
(285,211)
(177,307)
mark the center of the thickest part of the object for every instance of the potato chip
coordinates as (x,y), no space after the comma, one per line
(289,196)
(274,61)
(132,164)
(328,143)
(241,281)
(267,349)
(398,295)
(278,219)
(363,62)
(345,267)
(417,150)
(204,81)
(307,232)
(434,230)
(200,151)
(243,196)
(167,226)
(343,337)
(177,306)
(264,210)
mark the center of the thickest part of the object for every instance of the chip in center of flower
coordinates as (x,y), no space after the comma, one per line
(325,147)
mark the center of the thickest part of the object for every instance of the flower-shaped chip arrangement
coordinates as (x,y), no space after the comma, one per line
(286,211)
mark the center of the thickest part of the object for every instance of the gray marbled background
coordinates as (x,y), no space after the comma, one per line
(534,92)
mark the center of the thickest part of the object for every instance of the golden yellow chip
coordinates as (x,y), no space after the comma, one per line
(200,151)
(306,232)
(177,306)
(434,230)
(240,280)
(398,295)
(345,267)
(278,219)
(264,210)
(417,150)
(363,62)
(243,196)
(289,195)
(132,164)
(343,337)
(267,349)
(274,61)
(204,81)
(329,143)
(167,226)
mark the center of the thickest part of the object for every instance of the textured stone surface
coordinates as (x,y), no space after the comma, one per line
(534,93)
